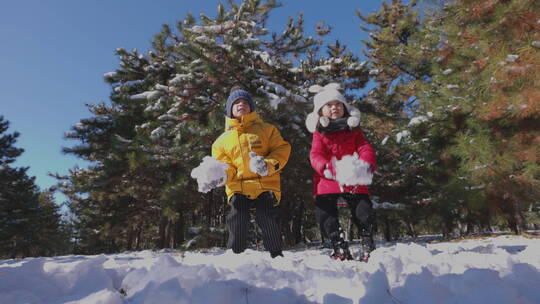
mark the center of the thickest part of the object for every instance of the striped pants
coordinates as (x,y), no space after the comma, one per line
(266,216)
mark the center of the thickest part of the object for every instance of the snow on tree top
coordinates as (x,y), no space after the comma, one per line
(110,76)
(149,95)
(214,29)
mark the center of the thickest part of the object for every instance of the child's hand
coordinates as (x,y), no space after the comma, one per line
(257,164)
(327,173)
(329,170)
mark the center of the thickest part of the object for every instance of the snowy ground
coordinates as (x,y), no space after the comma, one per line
(504,269)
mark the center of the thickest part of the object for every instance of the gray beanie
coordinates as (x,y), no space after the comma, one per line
(234,96)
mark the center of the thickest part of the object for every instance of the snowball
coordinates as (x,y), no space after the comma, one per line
(352,171)
(210,174)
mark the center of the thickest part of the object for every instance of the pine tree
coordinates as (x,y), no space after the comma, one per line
(27,223)
(485,88)
(474,111)
(402,41)
(167,107)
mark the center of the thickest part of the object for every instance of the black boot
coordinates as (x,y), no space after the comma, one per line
(275,254)
(341,251)
(367,246)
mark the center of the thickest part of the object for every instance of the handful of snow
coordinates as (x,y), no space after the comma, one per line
(210,174)
(352,171)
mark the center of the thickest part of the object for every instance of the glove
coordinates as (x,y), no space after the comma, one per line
(210,174)
(257,164)
(329,171)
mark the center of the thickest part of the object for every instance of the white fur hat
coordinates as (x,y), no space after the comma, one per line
(326,94)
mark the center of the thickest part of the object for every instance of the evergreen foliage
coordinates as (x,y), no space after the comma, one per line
(485,89)
(167,107)
(452,112)
(30,223)
(468,72)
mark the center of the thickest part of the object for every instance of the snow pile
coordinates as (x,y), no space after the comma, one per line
(210,174)
(496,270)
(352,171)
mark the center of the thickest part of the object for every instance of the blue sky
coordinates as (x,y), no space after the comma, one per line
(54,53)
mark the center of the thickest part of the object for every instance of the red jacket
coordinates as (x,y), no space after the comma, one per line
(338,144)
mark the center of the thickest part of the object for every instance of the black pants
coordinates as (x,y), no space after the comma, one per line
(362,215)
(266,216)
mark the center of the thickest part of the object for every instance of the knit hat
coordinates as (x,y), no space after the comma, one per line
(326,94)
(234,96)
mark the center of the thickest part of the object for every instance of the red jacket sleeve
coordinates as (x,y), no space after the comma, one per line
(319,155)
(366,151)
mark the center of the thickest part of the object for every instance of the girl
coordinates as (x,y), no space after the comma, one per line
(343,162)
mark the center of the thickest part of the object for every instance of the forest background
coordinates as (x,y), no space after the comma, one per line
(450,97)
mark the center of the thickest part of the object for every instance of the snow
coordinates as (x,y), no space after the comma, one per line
(150,95)
(503,269)
(417,120)
(402,134)
(210,174)
(167,117)
(512,57)
(122,139)
(157,133)
(352,171)
(110,76)
(213,29)
(388,205)
(178,78)
(275,100)
(324,68)
(161,87)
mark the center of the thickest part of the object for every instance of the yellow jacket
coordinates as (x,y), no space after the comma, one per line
(233,147)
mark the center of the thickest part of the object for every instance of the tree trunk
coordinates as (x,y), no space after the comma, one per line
(387,231)
(518,218)
(411,230)
(162,232)
(297,222)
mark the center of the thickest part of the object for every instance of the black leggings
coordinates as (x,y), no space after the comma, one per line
(266,216)
(362,214)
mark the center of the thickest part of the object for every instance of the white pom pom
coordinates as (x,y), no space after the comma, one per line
(353,121)
(325,121)
(332,85)
(354,112)
(315,88)
(311,122)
